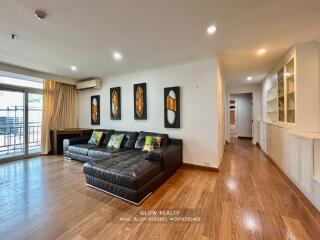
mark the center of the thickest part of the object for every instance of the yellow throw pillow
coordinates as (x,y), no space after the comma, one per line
(95,138)
(115,141)
(151,143)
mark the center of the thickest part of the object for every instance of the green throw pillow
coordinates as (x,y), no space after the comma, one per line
(115,141)
(151,143)
(95,138)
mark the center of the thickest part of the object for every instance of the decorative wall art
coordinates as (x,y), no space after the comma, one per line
(95,110)
(140,101)
(172,107)
(115,103)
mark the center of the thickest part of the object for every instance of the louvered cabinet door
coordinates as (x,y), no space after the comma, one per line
(264,137)
(294,158)
(306,164)
(269,140)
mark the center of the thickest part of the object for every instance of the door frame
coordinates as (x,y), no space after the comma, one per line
(255,104)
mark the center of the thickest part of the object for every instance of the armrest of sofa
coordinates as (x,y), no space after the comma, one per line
(74,141)
(170,155)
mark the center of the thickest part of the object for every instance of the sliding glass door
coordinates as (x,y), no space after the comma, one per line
(12,124)
(34,122)
(20,123)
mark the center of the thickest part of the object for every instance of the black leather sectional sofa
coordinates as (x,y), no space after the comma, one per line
(128,173)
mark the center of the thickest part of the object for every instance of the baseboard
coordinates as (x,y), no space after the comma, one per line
(246,138)
(201,167)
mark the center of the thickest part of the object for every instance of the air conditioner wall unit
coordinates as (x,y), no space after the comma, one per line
(93,83)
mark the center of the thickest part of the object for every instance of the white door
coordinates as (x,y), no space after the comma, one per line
(244,115)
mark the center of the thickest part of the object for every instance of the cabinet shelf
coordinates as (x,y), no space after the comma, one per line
(289,75)
(272,99)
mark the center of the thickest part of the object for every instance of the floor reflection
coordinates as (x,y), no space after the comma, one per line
(21,192)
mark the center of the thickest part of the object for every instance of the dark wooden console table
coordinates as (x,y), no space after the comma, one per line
(57,136)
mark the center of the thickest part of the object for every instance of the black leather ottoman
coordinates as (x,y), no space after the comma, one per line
(128,175)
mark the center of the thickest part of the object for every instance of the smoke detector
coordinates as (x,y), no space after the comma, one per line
(40,14)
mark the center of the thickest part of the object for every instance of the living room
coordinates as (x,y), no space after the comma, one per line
(125,120)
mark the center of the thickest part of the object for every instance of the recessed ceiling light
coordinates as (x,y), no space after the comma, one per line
(211,30)
(261,51)
(249,78)
(117,56)
(74,68)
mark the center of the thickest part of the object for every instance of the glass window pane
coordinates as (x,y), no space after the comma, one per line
(11,124)
(34,122)
(281,95)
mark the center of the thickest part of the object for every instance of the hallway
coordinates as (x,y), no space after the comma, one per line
(252,199)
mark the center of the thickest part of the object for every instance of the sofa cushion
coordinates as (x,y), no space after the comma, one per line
(142,138)
(128,169)
(129,139)
(103,152)
(95,138)
(81,149)
(79,157)
(115,141)
(151,143)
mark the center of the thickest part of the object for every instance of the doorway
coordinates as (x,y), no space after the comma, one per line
(241,116)
(232,120)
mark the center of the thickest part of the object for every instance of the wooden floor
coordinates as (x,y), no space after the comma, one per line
(46,198)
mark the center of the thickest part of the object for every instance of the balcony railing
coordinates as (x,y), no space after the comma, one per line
(12,140)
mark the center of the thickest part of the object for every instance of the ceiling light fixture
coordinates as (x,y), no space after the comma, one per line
(74,68)
(211,30)
(13,36)
(117,56)
(249,78)
(40,14)
(261,51)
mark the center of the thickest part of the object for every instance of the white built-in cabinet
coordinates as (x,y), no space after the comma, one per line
(281,102)
(296,154)
(290,130)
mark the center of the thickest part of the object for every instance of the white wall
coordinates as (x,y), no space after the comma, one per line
(244,115)
(308,86)
(256,91)
(199,107)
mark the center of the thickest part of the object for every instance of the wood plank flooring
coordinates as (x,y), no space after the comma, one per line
(46,198)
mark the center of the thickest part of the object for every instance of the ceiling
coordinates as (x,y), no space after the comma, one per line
(152,33)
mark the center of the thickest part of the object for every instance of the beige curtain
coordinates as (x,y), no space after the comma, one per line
(60,110)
